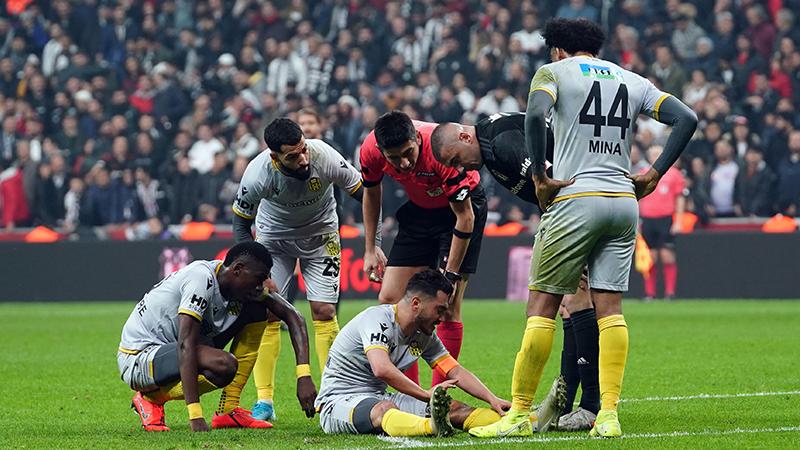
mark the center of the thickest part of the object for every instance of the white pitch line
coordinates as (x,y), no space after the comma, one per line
(708,396)
(413,443)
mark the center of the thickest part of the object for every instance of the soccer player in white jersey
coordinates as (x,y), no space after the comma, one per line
(171,345)
(288,191)
(370,354)
(591,204)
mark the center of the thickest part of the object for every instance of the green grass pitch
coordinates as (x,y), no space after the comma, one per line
(61,387)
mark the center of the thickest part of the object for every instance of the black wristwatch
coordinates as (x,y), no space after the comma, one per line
(453,277)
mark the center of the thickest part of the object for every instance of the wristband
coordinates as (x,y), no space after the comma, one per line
(453,277)
(303,370)
(461,234)
(195,411)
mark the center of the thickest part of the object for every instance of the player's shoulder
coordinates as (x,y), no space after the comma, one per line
(425,128)
(261,166)
(378,314)
(201,271)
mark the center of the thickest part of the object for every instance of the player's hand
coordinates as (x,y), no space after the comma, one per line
(306,394)
(446,384)
(500,405)
(547,188)
(644,184)
(198,424)
(375,264)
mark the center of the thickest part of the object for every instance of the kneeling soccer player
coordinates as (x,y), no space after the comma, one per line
(375,347)
(171,344)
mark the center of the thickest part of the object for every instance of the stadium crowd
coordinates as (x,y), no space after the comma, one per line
(144,114)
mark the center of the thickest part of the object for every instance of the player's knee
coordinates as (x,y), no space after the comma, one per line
(377,412)
(323,311)
(226,367)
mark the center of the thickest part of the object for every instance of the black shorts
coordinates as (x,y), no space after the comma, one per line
(657,232)
(425,235)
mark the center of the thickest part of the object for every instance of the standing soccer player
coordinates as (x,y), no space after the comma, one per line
(591,208)
(498,142)
(288,190)
(441,224)
(171,345)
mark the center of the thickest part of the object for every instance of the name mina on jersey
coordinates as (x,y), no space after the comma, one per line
(192,290)
(348,371)
(596,102)
(285,207)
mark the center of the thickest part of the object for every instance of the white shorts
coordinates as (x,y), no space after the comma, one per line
(319,263)
(338,413)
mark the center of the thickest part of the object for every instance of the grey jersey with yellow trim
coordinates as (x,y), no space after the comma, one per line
(192,290)
(596,105)
(348,371)
(289,207)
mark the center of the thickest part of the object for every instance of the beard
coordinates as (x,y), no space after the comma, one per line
(301,174)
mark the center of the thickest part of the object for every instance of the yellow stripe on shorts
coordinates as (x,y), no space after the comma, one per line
(593,194)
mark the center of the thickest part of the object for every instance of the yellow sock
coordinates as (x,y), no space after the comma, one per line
(613,354)
(267,360)
(536,345)
(174,391)
(325,332)
(399,423)
(480,417)
(245,349)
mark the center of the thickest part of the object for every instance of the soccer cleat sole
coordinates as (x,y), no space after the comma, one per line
(440,412)
(548,412)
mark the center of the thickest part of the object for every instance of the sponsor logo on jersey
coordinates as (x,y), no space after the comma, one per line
(462,194)
(435,192)
(426,174)
(314,184)
(198,302)
(209,284)
(594,71)
(378,338)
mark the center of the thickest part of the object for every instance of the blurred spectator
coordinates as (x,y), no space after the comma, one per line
(201,155)
(723,179)
(754,190)
(669,74)
(185,189)
(686,33)
(760,30)
(495,101)
(576,9)
(789,177)
(699,184)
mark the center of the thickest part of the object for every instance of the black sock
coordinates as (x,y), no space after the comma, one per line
(587,345)
(569,366)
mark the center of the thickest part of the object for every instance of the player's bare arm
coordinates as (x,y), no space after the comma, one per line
(374,259)
(684,122)
(539,103)
(188,338)
(383,369)
(306,391)
(465,222)
(473,386)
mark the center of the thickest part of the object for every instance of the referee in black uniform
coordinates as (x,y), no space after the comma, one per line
(498,142)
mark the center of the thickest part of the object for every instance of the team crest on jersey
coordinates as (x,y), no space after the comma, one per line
(415,349)
(314,184)
(234,308)
(435,192)
(332,246)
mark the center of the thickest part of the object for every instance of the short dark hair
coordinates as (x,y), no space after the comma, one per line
(437,140)
(282,131)
(252,250)
(429,282)
(394,129)
(574,35)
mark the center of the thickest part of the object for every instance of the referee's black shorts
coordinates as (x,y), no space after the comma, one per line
(657,232)
(425,235)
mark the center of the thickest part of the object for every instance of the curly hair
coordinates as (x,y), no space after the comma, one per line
(573,36)
(282,131)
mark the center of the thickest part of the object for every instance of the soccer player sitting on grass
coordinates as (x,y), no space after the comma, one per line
(371,352)
(171,343)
